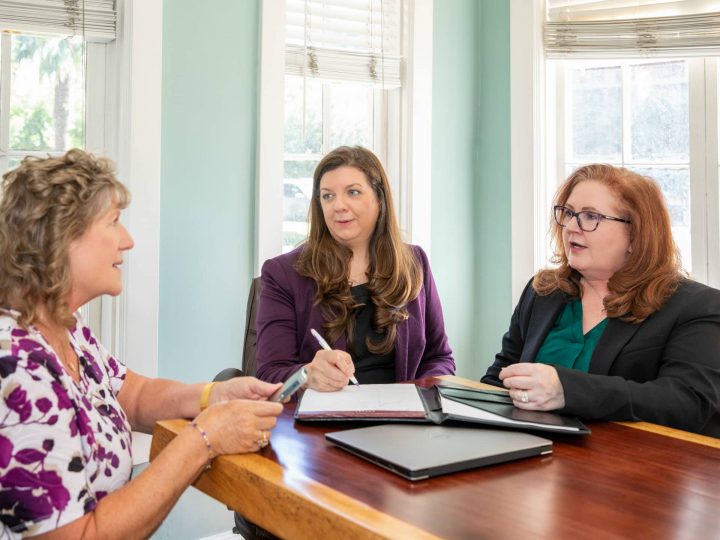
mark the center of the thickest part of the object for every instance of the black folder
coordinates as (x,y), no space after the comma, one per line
(496,403)
(438,404)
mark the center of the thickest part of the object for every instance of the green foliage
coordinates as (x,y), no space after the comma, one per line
(77,133)
(58,60)
(34,122)
(58,56)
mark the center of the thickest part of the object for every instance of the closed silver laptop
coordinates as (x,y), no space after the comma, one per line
(417,452)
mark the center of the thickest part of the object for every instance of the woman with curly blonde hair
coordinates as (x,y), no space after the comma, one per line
(67,406)
(615,331)
(357,282)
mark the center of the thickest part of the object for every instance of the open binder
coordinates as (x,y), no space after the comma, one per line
(437,404)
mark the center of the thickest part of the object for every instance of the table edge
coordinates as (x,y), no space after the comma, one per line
(287,503)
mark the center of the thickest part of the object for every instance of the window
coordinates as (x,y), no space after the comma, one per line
(52,75)
(335,114)
(44,49)
(338,58)
(633,87)
(633,114)
(339,66)
(42,82)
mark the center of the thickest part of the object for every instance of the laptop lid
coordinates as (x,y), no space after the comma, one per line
(422,451)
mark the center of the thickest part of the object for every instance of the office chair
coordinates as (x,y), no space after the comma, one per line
(246,528)
(250,340)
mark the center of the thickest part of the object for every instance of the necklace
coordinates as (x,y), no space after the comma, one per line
(67,364)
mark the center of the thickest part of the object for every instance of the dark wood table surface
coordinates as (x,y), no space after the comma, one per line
(623,481)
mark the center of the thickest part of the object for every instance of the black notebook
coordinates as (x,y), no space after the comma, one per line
(437,404)
(417,452)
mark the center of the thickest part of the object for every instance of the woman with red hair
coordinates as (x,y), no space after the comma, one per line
(616,331)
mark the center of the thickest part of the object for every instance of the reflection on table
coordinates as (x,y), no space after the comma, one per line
(620,481)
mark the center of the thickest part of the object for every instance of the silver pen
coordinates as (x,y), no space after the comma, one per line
(324,345)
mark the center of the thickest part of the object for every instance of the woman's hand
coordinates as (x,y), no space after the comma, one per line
(534,387)
(239,425)
(329,370)
(242,388)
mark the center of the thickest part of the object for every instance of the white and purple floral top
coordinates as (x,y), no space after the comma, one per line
(63,445)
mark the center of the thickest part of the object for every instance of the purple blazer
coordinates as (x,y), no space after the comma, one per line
(286,313)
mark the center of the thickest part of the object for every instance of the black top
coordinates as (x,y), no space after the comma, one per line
(369,368)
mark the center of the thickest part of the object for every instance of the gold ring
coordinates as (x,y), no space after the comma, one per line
(262,443)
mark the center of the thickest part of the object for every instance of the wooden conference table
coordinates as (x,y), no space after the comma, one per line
(626,480)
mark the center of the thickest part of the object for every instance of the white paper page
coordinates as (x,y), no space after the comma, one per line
(460,409)
(363,397)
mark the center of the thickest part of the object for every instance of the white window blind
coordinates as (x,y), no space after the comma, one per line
(632,28)
(346,40)
(95,19)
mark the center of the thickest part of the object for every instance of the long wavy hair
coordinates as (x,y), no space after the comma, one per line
(651,272)
(46,204)
(394,273)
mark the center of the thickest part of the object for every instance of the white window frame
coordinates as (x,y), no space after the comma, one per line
(133,140)
(95,89)
(133,105)
(527,151)
(95,124)
(703,176)
(413,193)
(385,126)
(534,140)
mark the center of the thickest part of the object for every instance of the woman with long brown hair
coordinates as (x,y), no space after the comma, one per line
(356,282)
(615,331)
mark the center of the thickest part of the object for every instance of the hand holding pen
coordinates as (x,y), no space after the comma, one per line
(330,369)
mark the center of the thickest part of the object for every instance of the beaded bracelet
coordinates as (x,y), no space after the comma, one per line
(207,443)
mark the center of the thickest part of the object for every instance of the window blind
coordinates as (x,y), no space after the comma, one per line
(93,18)
(347,40)
(631,28)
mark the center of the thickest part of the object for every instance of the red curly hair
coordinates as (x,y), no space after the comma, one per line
(651,272)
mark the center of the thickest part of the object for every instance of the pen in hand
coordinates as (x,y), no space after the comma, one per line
(324,345)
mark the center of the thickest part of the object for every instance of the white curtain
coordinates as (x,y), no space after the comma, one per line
(631,28)
(349,40)
(95,19)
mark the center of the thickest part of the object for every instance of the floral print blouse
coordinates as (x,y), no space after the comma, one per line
(63,445)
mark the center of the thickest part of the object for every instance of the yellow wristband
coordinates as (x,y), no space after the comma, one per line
(205,396)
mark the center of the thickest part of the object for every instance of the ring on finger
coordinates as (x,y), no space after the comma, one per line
(262,443)
(524,396)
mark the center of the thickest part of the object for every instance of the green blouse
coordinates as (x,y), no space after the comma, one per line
(566,345)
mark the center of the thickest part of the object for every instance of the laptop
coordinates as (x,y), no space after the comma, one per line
(417,452)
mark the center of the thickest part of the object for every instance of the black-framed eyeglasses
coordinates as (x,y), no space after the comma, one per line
(588,221)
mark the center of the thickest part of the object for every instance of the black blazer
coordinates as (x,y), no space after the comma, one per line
(664,370)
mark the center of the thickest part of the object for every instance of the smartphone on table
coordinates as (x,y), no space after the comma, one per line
(291,385)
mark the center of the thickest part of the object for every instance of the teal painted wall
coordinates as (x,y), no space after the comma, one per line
(207,188)
(453,172)
(493,259)
(208,175)
(471,231)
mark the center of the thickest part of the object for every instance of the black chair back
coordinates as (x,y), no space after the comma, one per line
(248,362)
